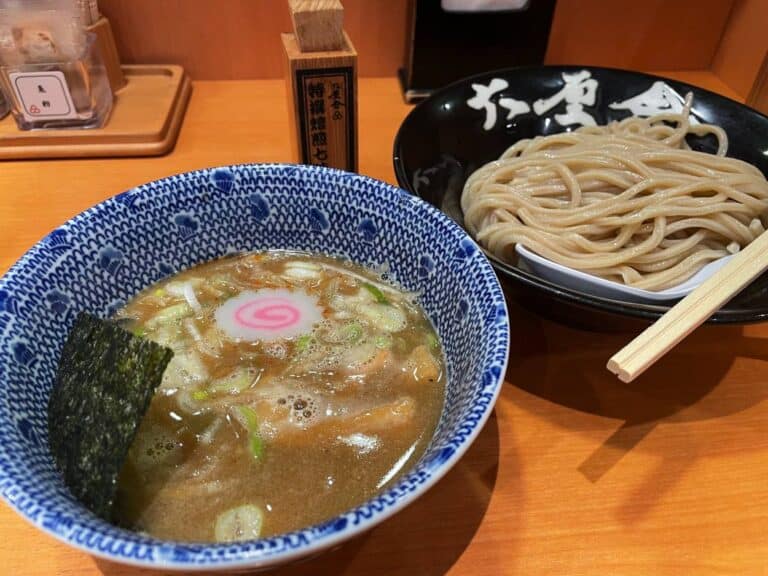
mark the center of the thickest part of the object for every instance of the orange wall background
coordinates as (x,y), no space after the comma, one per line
(640,34)
(240,39)
(744,45)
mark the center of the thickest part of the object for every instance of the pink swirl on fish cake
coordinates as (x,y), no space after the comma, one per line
(269,314)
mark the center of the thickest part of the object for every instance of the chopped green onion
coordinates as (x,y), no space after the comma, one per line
(235,382)
(432,341)
(249,415)
(159,293)
(255,443)
(352,332)
(200,395)
(139,331)
(349,333)
(376,293)
(303,342)
(383,341)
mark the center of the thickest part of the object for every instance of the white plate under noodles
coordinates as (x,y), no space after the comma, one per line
(583,282)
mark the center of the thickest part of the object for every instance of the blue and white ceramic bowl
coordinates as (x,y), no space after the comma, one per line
(102,257)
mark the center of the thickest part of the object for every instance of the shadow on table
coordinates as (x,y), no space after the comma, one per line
(567,367)
(426,538)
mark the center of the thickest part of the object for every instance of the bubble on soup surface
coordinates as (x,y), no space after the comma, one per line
(277,350)
(299,404)
(155,448)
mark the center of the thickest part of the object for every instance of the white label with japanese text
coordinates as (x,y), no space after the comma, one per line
(43,95)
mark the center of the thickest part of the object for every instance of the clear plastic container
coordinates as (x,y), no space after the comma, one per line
(72,94)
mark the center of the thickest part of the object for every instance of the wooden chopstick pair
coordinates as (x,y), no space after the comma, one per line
(685,316)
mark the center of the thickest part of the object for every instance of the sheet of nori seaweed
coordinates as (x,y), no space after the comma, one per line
(105,382)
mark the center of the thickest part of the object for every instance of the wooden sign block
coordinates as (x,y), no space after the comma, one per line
(322,92)
(318,24)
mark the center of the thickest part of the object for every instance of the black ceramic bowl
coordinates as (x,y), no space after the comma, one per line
(471,122)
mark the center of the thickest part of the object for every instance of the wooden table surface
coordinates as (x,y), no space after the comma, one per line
(575,473)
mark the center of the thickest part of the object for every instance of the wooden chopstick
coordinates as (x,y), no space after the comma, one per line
(685,316)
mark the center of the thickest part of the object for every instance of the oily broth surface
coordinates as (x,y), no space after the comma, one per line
(336,414)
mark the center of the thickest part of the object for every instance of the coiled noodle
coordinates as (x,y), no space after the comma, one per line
(628,201)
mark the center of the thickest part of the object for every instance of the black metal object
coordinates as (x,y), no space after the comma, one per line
(444,139)
(446,46)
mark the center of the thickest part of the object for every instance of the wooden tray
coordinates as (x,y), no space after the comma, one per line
(145,121)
